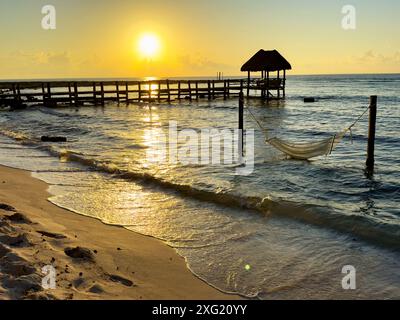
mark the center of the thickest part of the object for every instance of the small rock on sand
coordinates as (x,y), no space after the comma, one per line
(97,289)
(17,268)
(20,240)
(6,207)
(18,217)
(79,253)
(124,281)
(51,235)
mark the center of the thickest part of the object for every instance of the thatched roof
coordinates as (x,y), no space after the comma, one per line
(267,61)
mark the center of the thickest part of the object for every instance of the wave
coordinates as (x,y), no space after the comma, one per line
(360,226)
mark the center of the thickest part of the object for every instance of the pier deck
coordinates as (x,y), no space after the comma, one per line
(22,93)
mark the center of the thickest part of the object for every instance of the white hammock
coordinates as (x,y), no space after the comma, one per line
(305,151)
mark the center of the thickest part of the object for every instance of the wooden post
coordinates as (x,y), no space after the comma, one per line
(48,90)
(225,90)
(150,91)
(14,92)
(139,92)
(241,126)
(102,93)
(169,92)
(69,92)
(371,135)
(159,91)
(284,84)
(179,90)
(267,85)
(213,89)
(229,90)
(279,89)
(76,93)
(209,89)
(117,87)
(197,90)
(18,92)
(43,93)
(127,92)
(94,93)
(248,84)
(263,85)
(190,90)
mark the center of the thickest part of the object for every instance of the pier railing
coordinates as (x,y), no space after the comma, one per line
(20,94)
(98,92)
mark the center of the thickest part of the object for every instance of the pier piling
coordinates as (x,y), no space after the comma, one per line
(371,135)
(241,125)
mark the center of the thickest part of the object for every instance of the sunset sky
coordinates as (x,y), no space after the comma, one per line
(100,38)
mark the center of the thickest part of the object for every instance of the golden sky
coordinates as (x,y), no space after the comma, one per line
(101,38)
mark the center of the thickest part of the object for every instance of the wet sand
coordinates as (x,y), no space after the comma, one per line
(91,260)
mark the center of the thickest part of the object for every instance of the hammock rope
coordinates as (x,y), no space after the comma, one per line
(305,151)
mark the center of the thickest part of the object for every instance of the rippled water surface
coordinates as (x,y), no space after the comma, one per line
(285,231)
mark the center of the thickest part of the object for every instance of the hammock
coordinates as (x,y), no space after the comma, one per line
(305,151)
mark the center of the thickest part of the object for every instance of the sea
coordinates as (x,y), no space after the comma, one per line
(288,230)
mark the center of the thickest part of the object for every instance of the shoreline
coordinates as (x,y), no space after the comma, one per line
(118,264)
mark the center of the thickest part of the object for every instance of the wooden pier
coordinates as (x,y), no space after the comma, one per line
(78,93)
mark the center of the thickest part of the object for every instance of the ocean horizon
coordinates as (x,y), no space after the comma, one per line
(154,78)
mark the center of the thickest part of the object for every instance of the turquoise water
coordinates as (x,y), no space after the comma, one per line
(285,231)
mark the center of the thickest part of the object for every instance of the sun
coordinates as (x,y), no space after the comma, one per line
(149,45)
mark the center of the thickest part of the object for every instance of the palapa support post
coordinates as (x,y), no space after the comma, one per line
(371,135)
(248,84)
(284,84)
(279,89)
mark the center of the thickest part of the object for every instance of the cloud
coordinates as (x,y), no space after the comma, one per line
(44,58)
(371,57)
(200,63)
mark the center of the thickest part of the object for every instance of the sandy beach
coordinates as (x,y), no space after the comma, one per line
(92,260)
